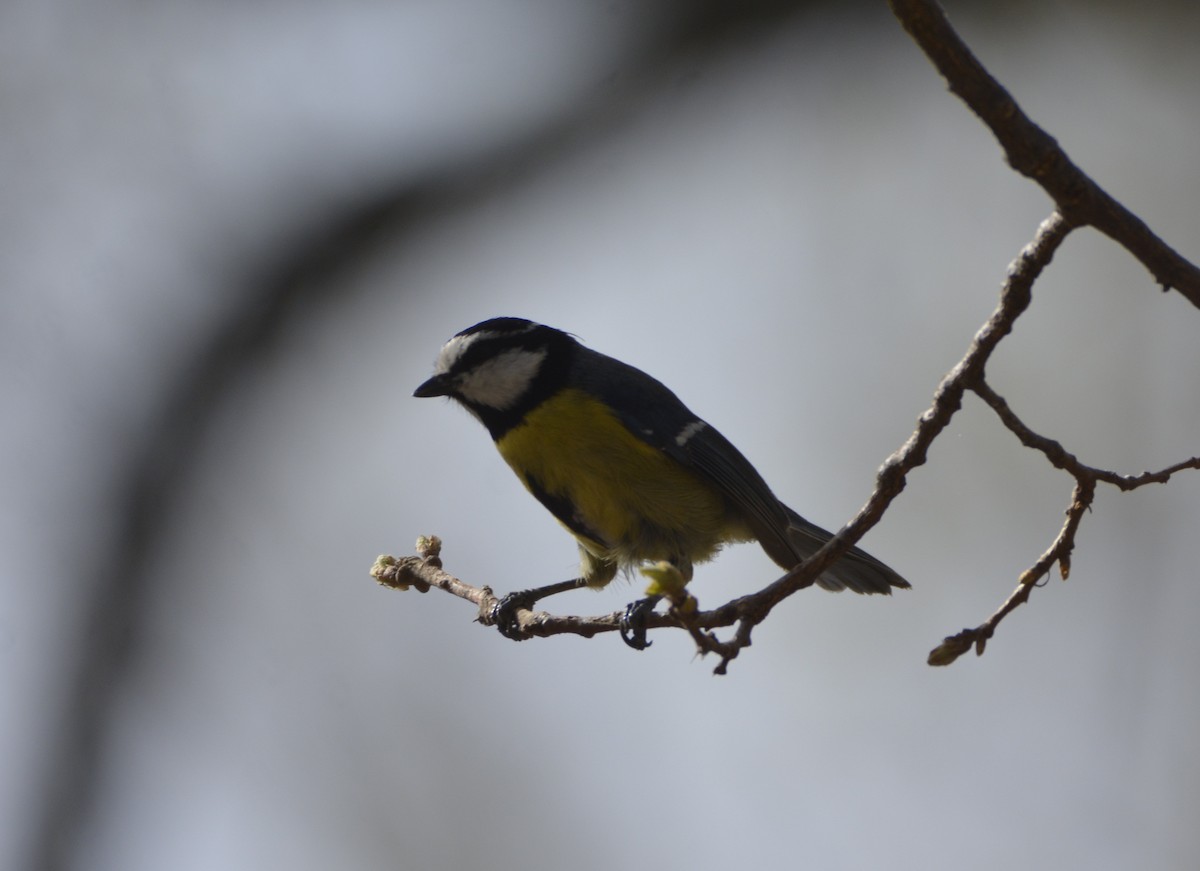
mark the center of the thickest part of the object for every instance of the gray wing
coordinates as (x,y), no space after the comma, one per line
(656,415)
(787,537)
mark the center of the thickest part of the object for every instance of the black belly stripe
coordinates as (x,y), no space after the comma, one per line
(562,508)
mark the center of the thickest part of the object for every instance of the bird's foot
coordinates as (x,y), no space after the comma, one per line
(634,622)
(504,614)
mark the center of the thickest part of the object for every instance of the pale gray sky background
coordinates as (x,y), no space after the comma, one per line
(793,225)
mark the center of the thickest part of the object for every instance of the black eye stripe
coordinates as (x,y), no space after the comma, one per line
(484,349)
(494,337)
(553,351)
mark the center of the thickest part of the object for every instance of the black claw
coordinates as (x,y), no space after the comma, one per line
(504,615)
(634,620)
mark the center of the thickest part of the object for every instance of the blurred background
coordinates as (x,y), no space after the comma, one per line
(234,236)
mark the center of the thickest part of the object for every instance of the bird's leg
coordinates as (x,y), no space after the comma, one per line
(504,614)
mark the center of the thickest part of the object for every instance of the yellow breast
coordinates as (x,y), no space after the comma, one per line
(639,503)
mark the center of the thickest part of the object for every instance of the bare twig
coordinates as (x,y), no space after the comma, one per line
(1036,154)
(1079,202)
(1086,478)
(425,570)
(750,610)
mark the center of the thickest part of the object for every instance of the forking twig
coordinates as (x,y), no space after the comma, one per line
(1079,202)
(1034,153)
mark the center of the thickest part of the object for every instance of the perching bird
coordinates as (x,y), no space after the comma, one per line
(623,464)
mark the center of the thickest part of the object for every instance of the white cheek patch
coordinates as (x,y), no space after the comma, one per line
(501,381)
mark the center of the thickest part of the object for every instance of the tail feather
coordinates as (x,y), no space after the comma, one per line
(857,570)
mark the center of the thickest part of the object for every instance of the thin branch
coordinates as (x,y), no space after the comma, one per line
(1059,552)
(1061,458)
(1086,478)
(1079,202)
(425,570)
(1034,153)
(1015,297)
(277,286)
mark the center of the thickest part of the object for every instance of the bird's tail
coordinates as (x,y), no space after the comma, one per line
(856,570)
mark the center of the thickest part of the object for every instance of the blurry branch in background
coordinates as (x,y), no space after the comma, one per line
(1079,202)
(289,282)
(293,280)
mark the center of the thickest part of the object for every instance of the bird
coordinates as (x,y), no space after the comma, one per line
(630,471)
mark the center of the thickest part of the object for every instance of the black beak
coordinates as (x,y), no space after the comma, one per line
(438,385)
